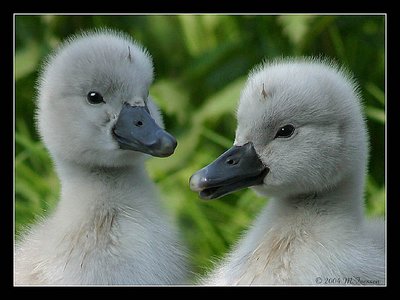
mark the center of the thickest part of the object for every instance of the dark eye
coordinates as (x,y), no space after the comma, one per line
(285,131)
(95,98)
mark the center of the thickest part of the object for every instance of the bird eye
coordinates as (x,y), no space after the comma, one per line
(95,98)
(285,131)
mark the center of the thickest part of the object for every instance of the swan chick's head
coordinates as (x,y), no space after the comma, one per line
(300,130)
(93,102)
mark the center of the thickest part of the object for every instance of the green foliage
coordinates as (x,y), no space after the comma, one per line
(201,64)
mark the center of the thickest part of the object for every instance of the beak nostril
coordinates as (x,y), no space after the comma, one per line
(230,161)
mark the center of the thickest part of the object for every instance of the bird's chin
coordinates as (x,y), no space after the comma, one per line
(265,190)
(261,190)
(269,191)
(128,158)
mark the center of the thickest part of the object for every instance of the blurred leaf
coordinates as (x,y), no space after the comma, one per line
(198,32)
(203,64)
(337,42)
(217,138)
(376,92)
(296,27)
(377,196)
(171,98)
(223,102)
(318,26)
(376,114)
(27,59)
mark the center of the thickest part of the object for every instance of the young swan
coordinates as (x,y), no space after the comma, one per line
(98,122)
(301,139)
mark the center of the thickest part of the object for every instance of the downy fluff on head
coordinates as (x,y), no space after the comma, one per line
(321,101)
(108,62)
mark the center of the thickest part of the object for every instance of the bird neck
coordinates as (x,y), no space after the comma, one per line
(343,200)
(85,188)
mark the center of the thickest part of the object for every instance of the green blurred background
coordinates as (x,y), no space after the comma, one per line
(201,64)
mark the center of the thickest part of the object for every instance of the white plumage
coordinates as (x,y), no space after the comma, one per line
(313,229)
(109,226)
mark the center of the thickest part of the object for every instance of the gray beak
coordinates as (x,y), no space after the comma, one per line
(237,168)
(136,130)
